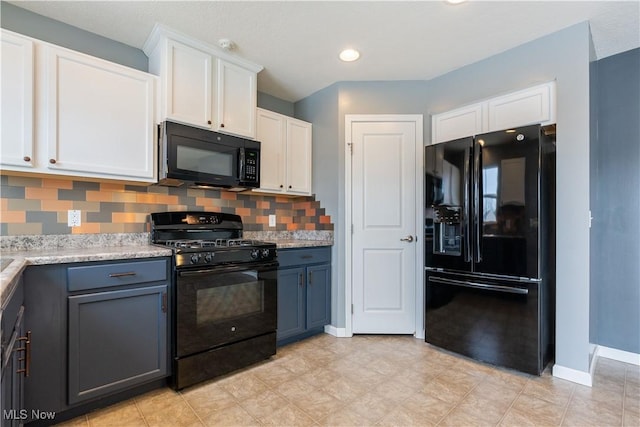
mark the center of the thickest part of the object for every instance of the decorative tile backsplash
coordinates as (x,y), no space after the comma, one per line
(39,206)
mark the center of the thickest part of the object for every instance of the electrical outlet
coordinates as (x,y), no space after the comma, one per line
(74,218)
(272,220)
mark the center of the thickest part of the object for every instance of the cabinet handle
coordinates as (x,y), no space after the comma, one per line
(164,302)
(128,273)
(208,122)
(310,278)
(26,158)
(281,186)
(221,125)
(289,186)
(27,354)
(52,161)
(300,282)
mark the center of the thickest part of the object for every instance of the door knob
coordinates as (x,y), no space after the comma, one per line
(407,239)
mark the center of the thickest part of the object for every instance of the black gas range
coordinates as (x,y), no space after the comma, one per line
(225,294)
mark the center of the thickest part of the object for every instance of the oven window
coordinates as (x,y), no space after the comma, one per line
(237,295)
(203,161)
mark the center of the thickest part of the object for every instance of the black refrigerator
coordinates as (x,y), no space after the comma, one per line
(490,247)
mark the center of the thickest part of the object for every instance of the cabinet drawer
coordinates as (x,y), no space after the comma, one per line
(118,274)
(292,257)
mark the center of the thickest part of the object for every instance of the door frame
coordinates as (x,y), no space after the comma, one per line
(417,119)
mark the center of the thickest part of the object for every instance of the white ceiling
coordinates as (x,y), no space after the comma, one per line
(298,42)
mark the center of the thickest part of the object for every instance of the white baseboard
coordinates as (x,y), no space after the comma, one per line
(619,355)
(573,375)
(336,332)
(419,334)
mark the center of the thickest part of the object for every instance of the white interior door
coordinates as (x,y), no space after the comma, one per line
(384,208)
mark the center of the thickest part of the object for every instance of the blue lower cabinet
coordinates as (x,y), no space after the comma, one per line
(99,332)
(117,339)
(304,293)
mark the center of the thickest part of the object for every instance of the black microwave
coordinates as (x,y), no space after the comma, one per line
(207,159)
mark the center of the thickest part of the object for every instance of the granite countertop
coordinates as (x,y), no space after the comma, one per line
(299,243)
(293,239)
(17,261)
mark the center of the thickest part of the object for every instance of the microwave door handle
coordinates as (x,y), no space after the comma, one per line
(241,161)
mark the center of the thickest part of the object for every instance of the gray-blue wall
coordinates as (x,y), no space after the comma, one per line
(42,28)
(615,203)
(562,56)
(269,102)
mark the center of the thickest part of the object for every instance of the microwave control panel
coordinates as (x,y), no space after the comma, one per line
(251,165)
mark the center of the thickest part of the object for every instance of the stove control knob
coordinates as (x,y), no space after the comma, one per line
(207,257)
(255,254)
(194,259)
(265,253)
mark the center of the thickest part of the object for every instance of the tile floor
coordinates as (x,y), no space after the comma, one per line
(383,380)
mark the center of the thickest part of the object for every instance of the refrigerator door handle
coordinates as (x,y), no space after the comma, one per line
(477,157)
(476,285)
(467,210)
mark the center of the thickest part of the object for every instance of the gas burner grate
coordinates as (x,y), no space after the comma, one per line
(218,243)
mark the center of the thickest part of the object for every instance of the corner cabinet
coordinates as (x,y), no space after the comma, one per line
(285,154)
(96,118)
(533,105)
(304,293)
(202,85)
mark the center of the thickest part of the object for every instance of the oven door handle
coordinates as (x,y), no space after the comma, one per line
(228,268)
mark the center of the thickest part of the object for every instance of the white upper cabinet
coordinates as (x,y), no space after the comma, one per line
(95,118)
(459,123)
(203,85)
(237,99)
(271,132)
(298,157)
(525,107)
(100,117)
(285,154)
(17,101)
(188,87)
(536,104)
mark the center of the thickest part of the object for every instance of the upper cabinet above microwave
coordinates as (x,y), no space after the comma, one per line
(202,85)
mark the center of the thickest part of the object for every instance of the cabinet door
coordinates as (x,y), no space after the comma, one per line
(528,106)
(459,123)
(298,157)
(188,85)
(117,339)
(271,134)
(17,77)
(237,99)
(318,296)
(290,302)
(100,118)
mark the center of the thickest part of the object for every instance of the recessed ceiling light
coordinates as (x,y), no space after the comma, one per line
(510,131)
(455,1)
(349,55)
